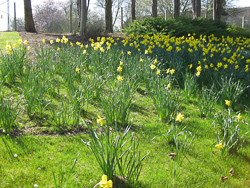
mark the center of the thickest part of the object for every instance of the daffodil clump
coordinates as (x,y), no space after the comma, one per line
(208,56)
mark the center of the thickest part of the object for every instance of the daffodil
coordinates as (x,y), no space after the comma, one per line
(57,40)
(219,146)
(168,86)
(152,66)
(239,117)
(100,120)
(58,49)
(20,41)
(199,69)
(84,51)
(121,63)
(43,40)
(119,78)
(179,117)
(51,41)
(198,74)
(158,71)
(77,70)
(25,42)
(129,53)
(105,183)
(227,102)
(119,69)
(172,71)
(28,47)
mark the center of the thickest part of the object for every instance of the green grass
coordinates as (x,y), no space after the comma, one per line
(11,37)
(45,147)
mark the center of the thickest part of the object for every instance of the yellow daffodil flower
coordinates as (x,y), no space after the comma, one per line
(227,102)
(179,117)
(152,66)
(239,117)
(100,120)
(119,78)
(119,69)
(105,183)
(219,146)
(199,69)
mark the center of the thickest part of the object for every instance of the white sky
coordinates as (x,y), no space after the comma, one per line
(20,9)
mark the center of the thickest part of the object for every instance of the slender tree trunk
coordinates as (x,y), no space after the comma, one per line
(132,10)
(196,7)
(83,21)
(108,16)
(29,22)
(176,8)
(154,8)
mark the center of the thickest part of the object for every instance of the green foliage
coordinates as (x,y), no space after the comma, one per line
(238,31)
(113,153)
(207,99)
(182,26)
(8,114)
(227,129)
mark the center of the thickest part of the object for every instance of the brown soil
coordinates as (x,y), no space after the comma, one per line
(35,39)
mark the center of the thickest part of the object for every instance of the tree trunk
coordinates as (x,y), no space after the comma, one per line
(154,8)
(217,9)
(29,22)
(176,8)
(83,20)
(108,16)
(196,7)
(132,10)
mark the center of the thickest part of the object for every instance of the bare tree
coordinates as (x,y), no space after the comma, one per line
(29,22)
(132,10)
(196,7)
(116,7)
(108,16)
(83,20)
(154,8)
(217,9)
(176,8)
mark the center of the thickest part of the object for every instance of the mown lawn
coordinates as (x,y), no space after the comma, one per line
(11,37)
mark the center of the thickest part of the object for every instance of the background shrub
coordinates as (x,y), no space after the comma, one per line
(183,26)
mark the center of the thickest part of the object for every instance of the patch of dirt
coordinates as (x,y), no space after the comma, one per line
(35,39)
